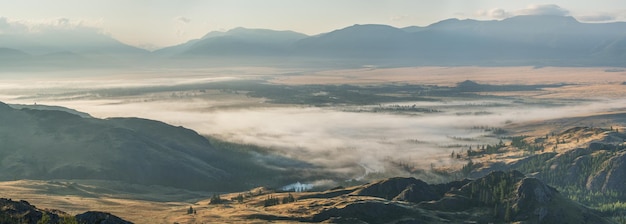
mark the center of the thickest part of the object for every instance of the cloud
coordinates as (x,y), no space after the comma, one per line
(9,26)
(397,18)
(63,22)
(495,13)
(544,9)
(180,26)
(182,19)
(597,18)
(499,13)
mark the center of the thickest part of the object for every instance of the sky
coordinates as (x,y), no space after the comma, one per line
(158,23)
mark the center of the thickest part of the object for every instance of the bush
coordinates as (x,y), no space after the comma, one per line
(216,199)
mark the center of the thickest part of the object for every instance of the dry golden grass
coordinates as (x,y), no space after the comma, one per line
(564,131)
(584,83)
(452,75)
(47,194)
(74,199)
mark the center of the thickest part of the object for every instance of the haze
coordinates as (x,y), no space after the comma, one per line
(350,140)
(157,24)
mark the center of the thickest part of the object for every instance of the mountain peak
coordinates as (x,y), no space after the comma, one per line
(249,32)
(371,27)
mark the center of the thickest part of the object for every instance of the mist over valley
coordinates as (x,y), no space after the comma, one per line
(517,119)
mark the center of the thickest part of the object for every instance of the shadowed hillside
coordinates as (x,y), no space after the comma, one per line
(52,144)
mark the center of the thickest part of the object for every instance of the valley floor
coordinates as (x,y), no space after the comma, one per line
(432,118)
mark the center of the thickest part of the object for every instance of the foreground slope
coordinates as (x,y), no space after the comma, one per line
(495,198)
(23,212)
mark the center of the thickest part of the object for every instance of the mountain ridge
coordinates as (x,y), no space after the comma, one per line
(529,40)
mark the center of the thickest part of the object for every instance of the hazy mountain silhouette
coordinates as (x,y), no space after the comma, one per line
(12,54)
(76,41)
(358,41)
(237,42)
(521,40)
(524,40)
(13,58)
(68,48)
(538,40)
(413,29)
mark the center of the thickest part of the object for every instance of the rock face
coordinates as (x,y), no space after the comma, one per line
(534,198)
(368,212)
(100,218)
(407,189)
(398,188)
(23,212)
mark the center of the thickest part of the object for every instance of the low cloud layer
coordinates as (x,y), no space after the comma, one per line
(544,10)
(549,10)
(598,18)
(539,9)
(11,26)
(335,138)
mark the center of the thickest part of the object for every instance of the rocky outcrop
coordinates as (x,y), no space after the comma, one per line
(417,193)
(23,212)
(100,218)
(375,212)
(393,187)
(532,200)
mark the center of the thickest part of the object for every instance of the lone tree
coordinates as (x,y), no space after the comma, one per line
(239,198)
(288,199)
(467,168)
(190,210)
(216,199)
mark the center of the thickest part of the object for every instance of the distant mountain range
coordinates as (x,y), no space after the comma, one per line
(537,40)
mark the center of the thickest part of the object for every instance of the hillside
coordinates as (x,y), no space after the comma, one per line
(585,164)
(582,157)
(52,144)
(496,197)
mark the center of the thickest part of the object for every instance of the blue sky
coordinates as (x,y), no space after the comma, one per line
(152,23)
